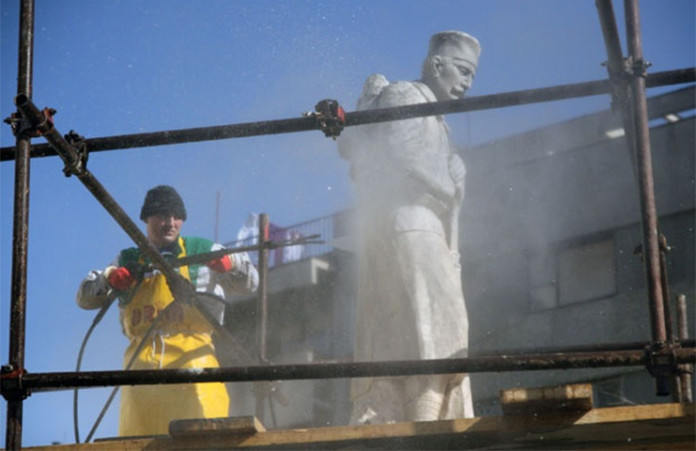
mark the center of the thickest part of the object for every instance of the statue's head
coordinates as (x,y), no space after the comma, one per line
(451,63)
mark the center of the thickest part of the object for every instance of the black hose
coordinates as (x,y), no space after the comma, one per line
(109,300)
(130,363)
(218,328)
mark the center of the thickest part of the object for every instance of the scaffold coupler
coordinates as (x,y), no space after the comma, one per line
(11,383)
(661,362)
(330,116)
(79,143)
(23,127)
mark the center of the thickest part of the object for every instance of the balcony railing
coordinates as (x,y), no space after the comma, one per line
(324,227)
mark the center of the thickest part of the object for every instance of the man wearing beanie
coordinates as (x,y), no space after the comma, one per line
(182,336)
(410,185)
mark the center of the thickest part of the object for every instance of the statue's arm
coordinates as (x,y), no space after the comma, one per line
(414,145)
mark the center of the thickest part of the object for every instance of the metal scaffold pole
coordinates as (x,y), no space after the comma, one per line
(331,370)
(629,82)
(651,247)
(249,129)
(20,237)
(260,389)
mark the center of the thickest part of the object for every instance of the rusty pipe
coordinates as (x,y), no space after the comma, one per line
(20,229)
(37,382)
(651,244)
(260,388)
(616,67)
(632,84)
(685,371)
(476,103)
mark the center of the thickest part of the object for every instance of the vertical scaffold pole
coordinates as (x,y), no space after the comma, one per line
(261,389)
(20,234)
(651,246)
(629,79)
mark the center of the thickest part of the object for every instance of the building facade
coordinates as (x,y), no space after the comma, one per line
(550,244)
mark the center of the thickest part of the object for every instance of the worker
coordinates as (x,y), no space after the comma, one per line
(182,337)
(410,186)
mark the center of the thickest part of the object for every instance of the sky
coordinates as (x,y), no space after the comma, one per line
(127,66)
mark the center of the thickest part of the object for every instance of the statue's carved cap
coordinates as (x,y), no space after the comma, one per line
(456,44)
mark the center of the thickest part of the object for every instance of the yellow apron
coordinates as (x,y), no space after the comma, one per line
(181,339)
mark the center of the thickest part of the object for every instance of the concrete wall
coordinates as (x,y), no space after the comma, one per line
(549,232)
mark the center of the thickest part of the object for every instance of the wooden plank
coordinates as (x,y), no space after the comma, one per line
(569,398)
(656,426)
(246,425)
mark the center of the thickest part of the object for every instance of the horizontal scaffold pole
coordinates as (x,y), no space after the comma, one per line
(498,363)
(249,129)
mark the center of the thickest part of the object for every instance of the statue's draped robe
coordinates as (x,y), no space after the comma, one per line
(410,300)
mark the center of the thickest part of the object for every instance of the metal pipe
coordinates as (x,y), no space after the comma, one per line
(261,389)
(651,246)
(664,283)
(685,371)
(631,89)
(612,42)
(217,214)
(268,245)
(37,382)
(621,93)
(262,304)
(666,298)
(629,346)
(20,234)
(514,98)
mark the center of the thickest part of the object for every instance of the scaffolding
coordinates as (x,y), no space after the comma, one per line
(664,357)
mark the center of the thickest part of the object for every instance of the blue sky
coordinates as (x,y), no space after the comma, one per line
(127,66)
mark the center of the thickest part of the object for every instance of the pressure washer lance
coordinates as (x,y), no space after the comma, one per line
(205,258)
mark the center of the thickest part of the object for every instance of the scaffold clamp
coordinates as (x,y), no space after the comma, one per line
(637,67)
(11,383)
(661,362)
(330,116)
(21,126)
(79,144)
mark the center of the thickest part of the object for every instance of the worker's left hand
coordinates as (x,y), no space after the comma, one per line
(222,264)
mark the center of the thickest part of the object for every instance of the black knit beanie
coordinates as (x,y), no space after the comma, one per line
(163,199)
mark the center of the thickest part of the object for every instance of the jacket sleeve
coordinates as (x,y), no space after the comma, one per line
(93,289)
(242,279)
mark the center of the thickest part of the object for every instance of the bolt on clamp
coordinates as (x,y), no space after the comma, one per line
(330,116)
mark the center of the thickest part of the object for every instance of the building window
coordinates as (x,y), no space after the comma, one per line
(586,272)
(542,280)
(566,275)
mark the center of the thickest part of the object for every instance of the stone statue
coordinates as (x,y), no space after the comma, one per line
(410,185)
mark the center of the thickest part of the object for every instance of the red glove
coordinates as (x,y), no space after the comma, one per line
(119,278)
(222,264)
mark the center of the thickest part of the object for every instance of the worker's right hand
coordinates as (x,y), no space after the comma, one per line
(222,264)
(119,278)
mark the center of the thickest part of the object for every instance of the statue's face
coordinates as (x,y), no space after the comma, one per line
(454,77)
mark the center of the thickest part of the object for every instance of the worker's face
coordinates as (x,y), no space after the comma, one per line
(163,229)
(454,77)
